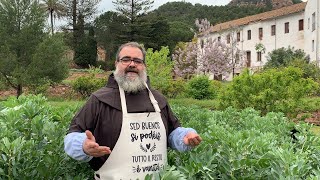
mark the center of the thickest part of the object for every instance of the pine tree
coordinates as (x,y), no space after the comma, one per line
(133,10)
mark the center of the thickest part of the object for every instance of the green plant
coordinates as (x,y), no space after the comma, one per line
(200,87)
(86,85)
(159,67)
(282,57)
(245,145)
(102,65)
(272,90)
(31,141)
(39,88)
(175,88)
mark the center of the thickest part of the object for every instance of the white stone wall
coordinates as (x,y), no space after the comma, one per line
(294,38)
(312,36)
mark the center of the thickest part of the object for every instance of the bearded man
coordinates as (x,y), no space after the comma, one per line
(124,129)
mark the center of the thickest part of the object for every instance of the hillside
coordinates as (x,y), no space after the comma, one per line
(274,4)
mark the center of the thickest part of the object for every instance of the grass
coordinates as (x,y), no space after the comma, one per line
(316,130)
(208,104)
(66,103)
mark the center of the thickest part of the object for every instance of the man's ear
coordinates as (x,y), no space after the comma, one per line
(115,63)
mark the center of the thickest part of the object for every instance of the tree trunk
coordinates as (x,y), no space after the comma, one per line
(19,90)
(51,19)
(74,21)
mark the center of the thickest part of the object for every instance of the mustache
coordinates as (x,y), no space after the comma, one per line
(130,69)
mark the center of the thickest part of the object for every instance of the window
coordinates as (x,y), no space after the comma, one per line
(219,38)
(313,21)
(249,34)
(286,27)
(228,38)
(259,55)
(301,25)
(308,23)
(273,30)
(238,36)
(248,59)
(202,43)
(237,58)
(218,77)
(312,45)
(260,33)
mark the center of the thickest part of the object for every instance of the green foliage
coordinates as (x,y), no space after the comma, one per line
(200,87)
(159,67)
(109,32)
(244,145)
(102,65)
(86,85)
(282,57)
(192,116)
(272,90)
(167,173)
(86,50)
(21,30)
(175,88)
(211,104)
(110,65)
(49,63)
(40,87)
(31,141)
(236,144)
(165,26)
(310,70)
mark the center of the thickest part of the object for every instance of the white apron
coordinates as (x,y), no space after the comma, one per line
(141,148)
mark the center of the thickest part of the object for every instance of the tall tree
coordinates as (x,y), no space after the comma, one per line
(133,10)
(21,30)
(110,28)
(55,10)
(78,14)
(86,51)
(27,55)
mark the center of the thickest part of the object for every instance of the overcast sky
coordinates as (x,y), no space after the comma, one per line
(107,5)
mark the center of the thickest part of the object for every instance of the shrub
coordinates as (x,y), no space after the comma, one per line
(200,87)
(39,88)
(86,85)
(159,68)
(282,57)
(175,88)
(278,90)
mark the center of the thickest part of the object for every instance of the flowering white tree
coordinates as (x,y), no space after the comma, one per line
(216,58)
(185,60)
(211,57)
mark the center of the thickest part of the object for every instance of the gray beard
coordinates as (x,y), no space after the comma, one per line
(131,85)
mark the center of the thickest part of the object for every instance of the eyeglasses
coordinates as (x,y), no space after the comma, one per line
(127,60)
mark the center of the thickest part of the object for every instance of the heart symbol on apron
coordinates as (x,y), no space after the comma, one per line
(148,146)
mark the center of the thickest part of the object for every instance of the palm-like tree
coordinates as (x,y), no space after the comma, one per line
(55,9)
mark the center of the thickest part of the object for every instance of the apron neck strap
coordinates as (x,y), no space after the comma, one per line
(124,104)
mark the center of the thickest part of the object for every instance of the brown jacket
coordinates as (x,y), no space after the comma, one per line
(102,115)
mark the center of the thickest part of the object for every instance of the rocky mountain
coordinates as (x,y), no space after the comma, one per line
(274,4)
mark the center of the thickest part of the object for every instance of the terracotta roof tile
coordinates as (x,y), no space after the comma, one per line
(260,17)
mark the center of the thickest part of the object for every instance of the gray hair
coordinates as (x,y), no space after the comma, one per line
(131,44)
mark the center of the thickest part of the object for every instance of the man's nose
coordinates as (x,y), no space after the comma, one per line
(132,63)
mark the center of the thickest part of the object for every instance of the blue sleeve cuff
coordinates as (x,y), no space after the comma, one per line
(176,139)
(73,143)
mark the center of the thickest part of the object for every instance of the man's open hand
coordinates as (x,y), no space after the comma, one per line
(192,139)
(92,148)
